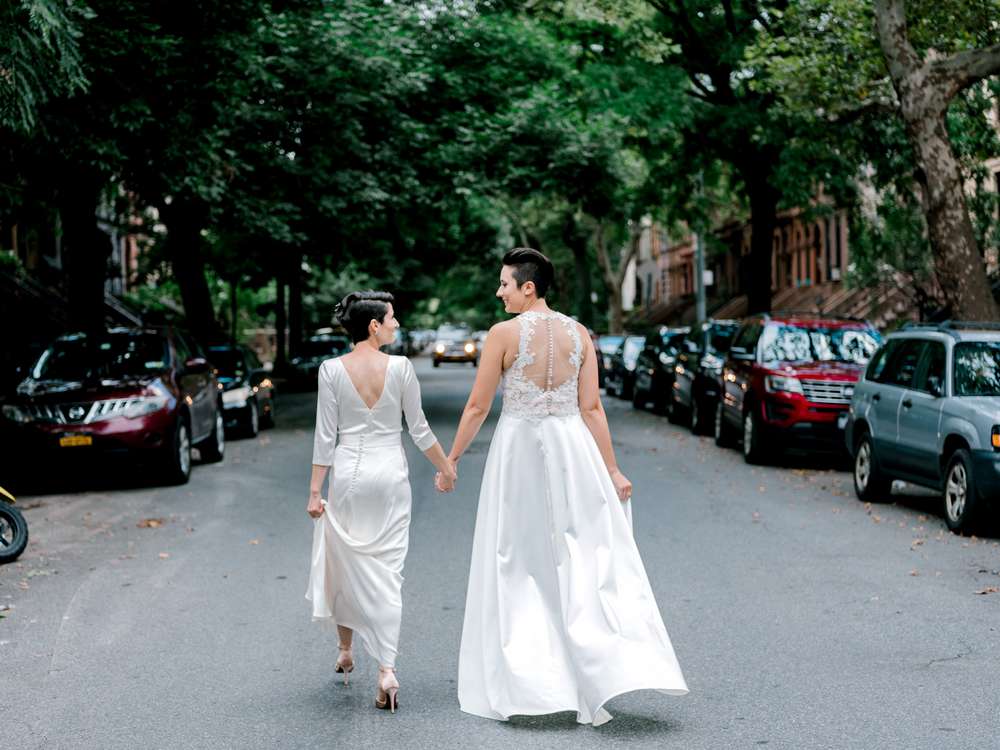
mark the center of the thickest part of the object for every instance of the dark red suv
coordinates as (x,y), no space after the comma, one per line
(788,380)
(145,394)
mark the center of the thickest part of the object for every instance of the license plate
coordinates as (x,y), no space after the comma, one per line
(70,441)
(842,420)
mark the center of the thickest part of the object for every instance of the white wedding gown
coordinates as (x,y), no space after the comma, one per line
(559,614)
(360,541)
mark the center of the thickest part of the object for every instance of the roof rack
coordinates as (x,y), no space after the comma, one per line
(952,326)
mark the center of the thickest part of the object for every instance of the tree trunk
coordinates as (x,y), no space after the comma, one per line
(86,249)
(614,277)
(763,220)
(616,315)
(184,223)
(295,326)
(234,309)
(280,324)
(925,88)
(576,241)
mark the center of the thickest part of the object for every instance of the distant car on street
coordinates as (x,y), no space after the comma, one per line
(927,410)
(455,344)
(697,374)
(142,394)
(654,371)
(247,389)
(607,345)
(313,352)
(788,380)
(619,379)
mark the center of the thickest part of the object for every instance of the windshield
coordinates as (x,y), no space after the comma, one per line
(674,339)
(109,355)
(324,347)
(453,334)
(977,368)
(788,343)
(609,344)
(720,337)
(230,362)
(633,345)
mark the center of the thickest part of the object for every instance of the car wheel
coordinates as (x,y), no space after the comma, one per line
(870,484)
(267,418)
(252,426)
(698,418)
(961,500)
(753,439)
(639,398)
(675,412)
(13,533)
(178,459)
(724,434)
(213,448)
(437,363)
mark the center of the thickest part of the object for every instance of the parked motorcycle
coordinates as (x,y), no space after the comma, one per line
(13,529)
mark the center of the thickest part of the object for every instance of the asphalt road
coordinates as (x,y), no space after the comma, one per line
(801,618)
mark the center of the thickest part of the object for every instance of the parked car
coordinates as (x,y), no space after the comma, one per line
(788,379)
(247,389)
(313,352)
(144,394)
(927,410)
(455,344)
(654,371)
(607,345)
(619,379)
(595,340)
(697,374)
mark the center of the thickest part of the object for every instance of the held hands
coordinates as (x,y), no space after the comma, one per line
(622,485)
(315,506)
(445,481)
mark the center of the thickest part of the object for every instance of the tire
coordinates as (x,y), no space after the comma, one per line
(675,412)
(267,418)
(177,463)
(963,510)
(437,363)
(13,533)
(698,426)
(753,439)
(871,485)
(213,448)
(625,392)
(725,436)
(252,425)
(639,398)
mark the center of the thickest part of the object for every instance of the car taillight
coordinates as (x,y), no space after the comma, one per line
(995,437)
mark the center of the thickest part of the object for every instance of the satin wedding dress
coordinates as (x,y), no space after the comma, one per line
(559,614)
(360,541)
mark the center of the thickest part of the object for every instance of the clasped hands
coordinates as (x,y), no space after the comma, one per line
(445,481)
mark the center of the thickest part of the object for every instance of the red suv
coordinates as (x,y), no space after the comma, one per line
(145,394)
(788,380)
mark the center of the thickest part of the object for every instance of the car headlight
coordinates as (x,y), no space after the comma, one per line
(667,359)
(140,407)
(470,348)
(776,383)
(712,364)
(439,348)
(236,395)
(17,414)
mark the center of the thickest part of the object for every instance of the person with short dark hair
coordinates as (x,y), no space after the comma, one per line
(559,613)
(362,529)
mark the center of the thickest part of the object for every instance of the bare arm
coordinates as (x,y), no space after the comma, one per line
(592,411)
(483,390)
(420,431)
(324,439)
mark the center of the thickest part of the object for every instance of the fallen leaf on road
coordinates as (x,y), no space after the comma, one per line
(756,517)
(916,543)
(255,541)
(151,523)
(989,590)
(877,519)
(36,572)
(921,518)
(914,572)
(164,555)
(23,585)
(762,488)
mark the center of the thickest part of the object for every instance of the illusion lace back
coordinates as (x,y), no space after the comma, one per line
(544,379)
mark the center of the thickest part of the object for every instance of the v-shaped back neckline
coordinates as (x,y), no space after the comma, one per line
(357,393)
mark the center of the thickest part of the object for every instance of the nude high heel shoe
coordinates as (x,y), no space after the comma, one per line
(388,687)
(345,662)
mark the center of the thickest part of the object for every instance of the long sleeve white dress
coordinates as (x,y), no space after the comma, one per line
(559,614)
(360,541)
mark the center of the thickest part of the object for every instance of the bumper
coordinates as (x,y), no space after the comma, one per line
(986,470)
(803,423)
(454,357)
(114,437)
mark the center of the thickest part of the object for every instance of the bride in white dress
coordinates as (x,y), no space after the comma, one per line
(362,532)
(559,614)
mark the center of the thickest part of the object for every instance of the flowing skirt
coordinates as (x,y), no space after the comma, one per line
(360,542)
(559,614)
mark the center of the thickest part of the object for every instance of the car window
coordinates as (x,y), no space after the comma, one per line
(105,355)
(931,372)
(183,350)
(977,368)
(903,366)
(876,368)
(782,342)
(720,337)
(747,336)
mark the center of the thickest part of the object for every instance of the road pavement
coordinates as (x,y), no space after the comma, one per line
(174,617)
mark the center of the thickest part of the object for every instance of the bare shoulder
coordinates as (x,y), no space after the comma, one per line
(505,330)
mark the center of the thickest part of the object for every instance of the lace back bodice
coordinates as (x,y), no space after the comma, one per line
(544,379)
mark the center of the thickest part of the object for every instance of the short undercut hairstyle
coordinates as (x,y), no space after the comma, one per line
(530,265)
(358,309)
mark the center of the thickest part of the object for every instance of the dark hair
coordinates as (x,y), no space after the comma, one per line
(530,265)
(358,309)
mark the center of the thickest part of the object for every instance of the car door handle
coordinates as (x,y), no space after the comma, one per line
(907,404)
(877,397)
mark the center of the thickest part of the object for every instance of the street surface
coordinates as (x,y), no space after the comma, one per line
(801,618)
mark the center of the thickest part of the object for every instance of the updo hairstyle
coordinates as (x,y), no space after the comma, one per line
(358,309)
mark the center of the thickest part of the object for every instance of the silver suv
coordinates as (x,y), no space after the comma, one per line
(927,411)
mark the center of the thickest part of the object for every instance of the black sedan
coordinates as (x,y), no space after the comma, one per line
(247,389)
(312,353)
(654,370)
(698,374)
(619,380)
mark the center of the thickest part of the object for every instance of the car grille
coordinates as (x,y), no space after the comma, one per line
(79,413)
(825,392)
